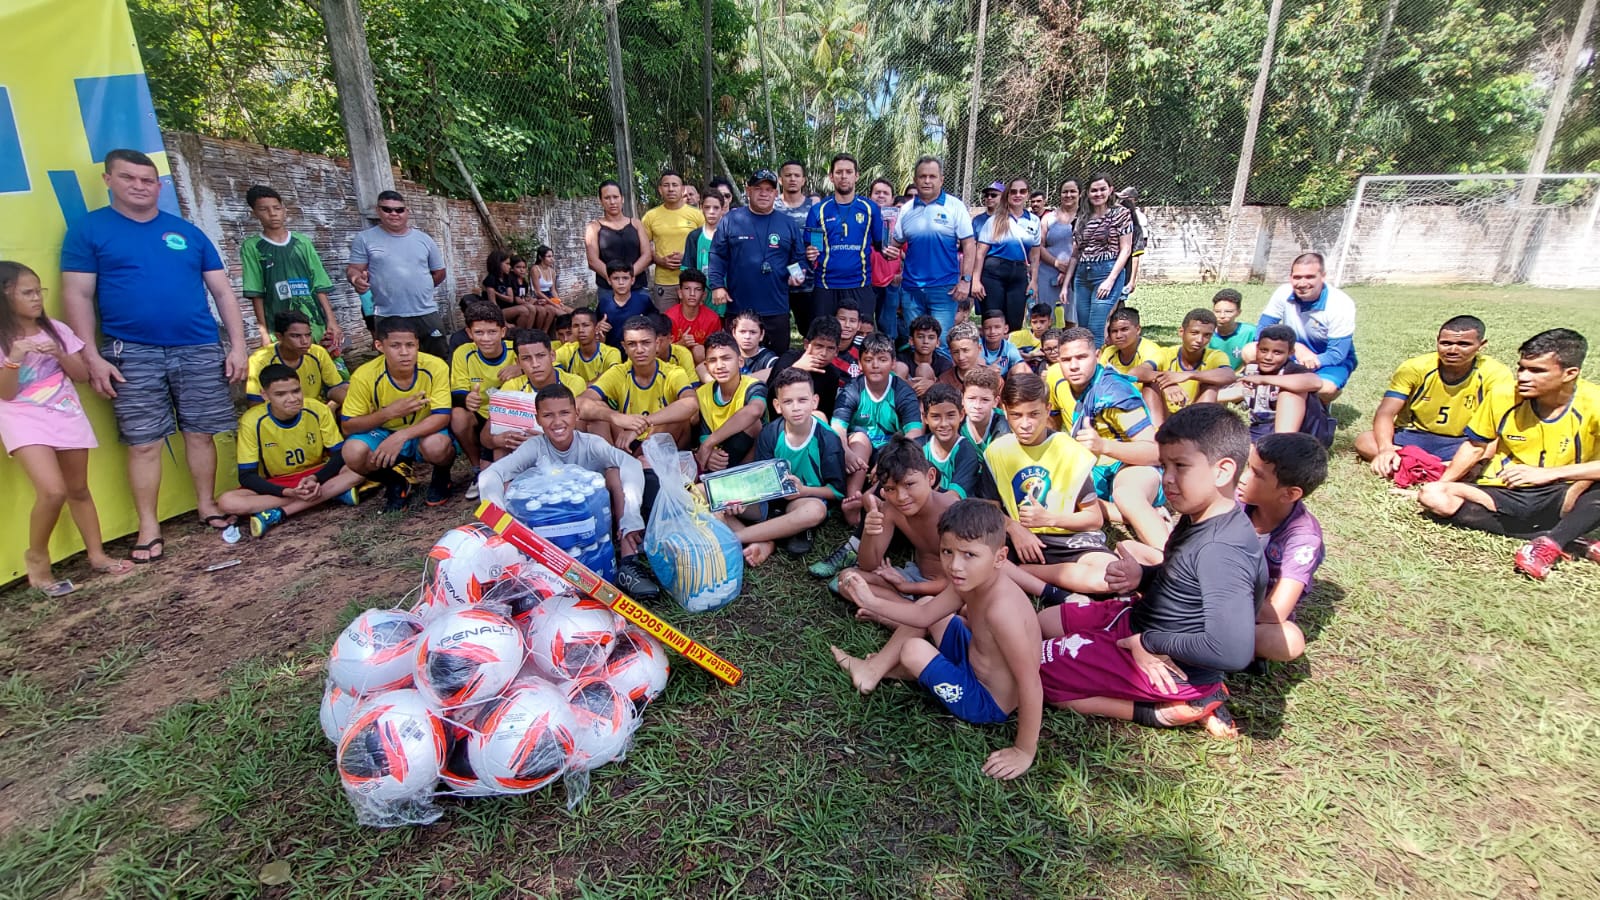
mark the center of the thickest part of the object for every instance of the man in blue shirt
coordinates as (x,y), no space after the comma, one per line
(933,234)
(144,274)
(750,259)
(841,233)
(1324,322)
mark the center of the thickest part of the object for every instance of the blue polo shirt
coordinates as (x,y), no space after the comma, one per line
(750,257)
(1018,240)
(848,232)
(149,285)
(930,235)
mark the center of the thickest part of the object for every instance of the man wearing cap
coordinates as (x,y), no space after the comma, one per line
(933,234)
(991,202)
(750,260)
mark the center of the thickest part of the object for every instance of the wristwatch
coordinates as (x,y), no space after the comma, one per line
(966,278)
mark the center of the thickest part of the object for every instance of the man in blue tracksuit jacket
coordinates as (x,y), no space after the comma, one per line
(748,267)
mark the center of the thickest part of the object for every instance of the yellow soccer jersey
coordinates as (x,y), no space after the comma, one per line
(683,359)
(1023,339)
(573,383)
(715,411)
(1170,359)
(316,370)
(1053,473)
(627,394)
(1115,408)
(570,358)
(1147,350)
(275,448)
(468,365)
(372,388)
(1437,407)
(1053,377)
(1566,438)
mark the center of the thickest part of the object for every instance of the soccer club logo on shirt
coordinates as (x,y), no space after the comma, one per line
(1031,483)
(772,240)
(174,241)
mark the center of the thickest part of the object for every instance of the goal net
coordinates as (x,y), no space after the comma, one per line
(1472,229)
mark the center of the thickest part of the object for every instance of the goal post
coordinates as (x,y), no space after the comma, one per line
(1500,228)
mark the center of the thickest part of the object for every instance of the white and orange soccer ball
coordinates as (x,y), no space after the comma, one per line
(571,637)
(462,566)
(392,749)
(523,740)
(467,655)
(604,719)
(457,773)
(638,667)
(374,652)
(338,705)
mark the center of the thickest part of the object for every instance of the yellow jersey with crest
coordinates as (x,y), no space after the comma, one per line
(1053,473)
(275,448)
(1170,359)
(570,358)
(471,370)
(1438,406)
(316,370)
(372,388)
(1532,437)
(1146,351)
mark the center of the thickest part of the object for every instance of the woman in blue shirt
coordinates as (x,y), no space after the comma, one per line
(1007,265)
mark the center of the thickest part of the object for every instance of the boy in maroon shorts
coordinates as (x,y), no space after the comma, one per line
(1158,657)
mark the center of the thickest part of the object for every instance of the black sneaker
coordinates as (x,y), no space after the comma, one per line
(396,496)
(840,559)
(798,545)
(437,495)
(636,580)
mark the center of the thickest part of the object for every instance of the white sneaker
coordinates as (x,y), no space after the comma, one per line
(472,491)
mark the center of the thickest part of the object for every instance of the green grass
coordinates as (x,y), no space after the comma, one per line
(1438,739)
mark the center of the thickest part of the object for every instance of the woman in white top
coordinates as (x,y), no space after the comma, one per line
(544,280)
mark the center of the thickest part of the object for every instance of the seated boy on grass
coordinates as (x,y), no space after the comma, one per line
(848,360)
(476,368)
(966,354)
(754,359)
(536,363)
(1043,478)
(1546,440)
(974,645)
(998,351)
(1029,341)
(958,462)
(290,455)
(816,465)
(868,412)
(815,358)
(692,321)
(586,356)
(320,378)
(923,360)
(1284,469)
(669,352)
(1432,398)
(1126,346)
(910,504)
(398,410)
(731,405)
(980,397)
(1188,373)
(628,402)
(1280,395)
(1157,655)
(1106,414)
(1232,335)
(556,408)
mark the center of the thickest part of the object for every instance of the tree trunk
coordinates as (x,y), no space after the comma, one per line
(1374,62)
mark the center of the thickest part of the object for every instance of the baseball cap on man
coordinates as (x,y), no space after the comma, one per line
(762,175)
(995,188)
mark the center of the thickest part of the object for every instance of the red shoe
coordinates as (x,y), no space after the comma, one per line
(1537,557)
(1587,549)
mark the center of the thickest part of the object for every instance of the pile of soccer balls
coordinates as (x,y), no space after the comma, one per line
(500,680)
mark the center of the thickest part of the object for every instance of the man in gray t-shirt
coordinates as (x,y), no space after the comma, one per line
(402,266)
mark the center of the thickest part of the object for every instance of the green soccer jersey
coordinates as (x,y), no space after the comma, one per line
(1234,344)
(286,277)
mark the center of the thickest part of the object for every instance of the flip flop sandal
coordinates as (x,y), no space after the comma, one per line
(58,589)
(227,521)
(150,550)
(120,567)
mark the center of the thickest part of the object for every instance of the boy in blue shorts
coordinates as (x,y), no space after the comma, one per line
(320,378)
(974,646)
(398,410)
(1280,395)
(1284,469)
(476,368)
(290,457)
(958,462)
(1105,413)
(868,411)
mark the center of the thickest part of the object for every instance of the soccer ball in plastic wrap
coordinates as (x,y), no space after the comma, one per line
(604,719)
(523,740)
(392,749)
(571,637)
(638,667)
(523,592)
(374,652)
(467,655)
(463,564)
(338,705)
(457,773)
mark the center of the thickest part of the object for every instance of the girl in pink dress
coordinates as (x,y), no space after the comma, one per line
(43,425)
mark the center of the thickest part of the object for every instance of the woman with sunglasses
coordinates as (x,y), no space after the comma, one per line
(1007,263)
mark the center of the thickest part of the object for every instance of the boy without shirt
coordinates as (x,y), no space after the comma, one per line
(477,368)
(1106,414)
(1126,346)
(974,646)
(320,378)
(536,363)
(816,467)
(923,361)
(1546,441)
(1188,373)
(1432,398)
(911,504)
(290,457)
(398,410)
(585,356)
(869,411)
(1280,395)
(980,395)
(627,403)
(1158,655)
(731,407)
(1043,478)
(1284,469)
(958,462)
(998,351)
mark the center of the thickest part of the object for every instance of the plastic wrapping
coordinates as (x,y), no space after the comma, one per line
(389,760)
(696,558)
(467,655)
(571,637)
(373,653)
(570,507)
(462,566)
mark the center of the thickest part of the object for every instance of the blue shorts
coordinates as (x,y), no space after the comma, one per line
(1436,444)
(949,677)
(408,452)
(1105,474)
(1339,375)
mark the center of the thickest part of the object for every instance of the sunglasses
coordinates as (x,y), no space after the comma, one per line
(392,209)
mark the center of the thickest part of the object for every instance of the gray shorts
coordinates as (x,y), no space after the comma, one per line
(169,389)
(663,296)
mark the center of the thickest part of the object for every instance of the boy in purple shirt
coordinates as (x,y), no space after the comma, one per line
(1284,469)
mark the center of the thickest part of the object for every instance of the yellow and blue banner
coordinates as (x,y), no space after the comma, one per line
(72,88)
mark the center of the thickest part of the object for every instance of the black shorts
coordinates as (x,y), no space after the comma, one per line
(1066,548)
(825,301)
(1529,511)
